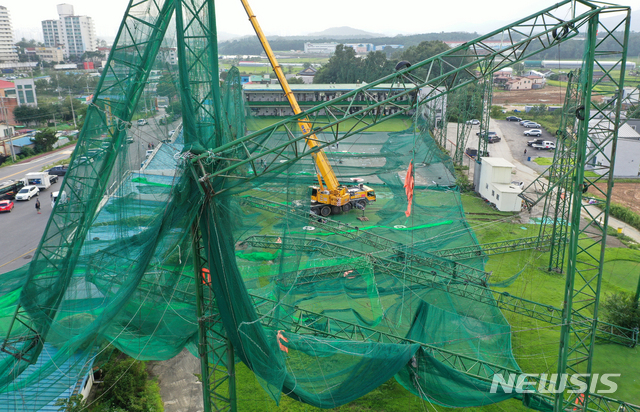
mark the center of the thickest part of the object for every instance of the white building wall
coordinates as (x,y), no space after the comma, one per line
(76,33)
(627,158)
(7,43)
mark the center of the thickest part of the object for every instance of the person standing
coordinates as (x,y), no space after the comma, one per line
(38,206)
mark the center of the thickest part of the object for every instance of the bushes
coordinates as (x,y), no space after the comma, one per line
(626,215)
(621,309)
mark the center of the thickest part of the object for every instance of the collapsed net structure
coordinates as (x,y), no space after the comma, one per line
(153,220)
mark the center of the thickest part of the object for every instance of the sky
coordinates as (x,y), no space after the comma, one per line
(289,17)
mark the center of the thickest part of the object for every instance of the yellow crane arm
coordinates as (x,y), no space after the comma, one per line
(322,163)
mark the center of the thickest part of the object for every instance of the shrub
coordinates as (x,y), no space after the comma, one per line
(621,309)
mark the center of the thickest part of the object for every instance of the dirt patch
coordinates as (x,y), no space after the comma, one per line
(550,95)
(626,194)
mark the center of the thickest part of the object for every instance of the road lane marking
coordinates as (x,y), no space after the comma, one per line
(5,264)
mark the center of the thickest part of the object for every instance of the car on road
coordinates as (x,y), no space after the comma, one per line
(513,119)
(58,170)
(472,122)
(142,122)
(545,145)
(53,179)
(531,124)
(6,205)
(129,139)
(149,153)
(533,132)
(27,192)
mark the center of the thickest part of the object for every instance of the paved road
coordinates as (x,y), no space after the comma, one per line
(23,227)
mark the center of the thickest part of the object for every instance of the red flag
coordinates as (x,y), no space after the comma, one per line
(408,187)
(280,337)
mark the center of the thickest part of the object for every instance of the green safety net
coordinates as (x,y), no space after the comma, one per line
(115,266)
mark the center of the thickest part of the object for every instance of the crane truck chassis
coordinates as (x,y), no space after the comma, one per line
(324,203)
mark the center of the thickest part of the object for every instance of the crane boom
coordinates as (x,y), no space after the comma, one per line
(338,196)
(322,163)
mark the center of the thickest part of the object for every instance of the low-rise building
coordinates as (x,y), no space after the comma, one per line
(307,75)
(269,99)
(627,162)
(537,82)
(495,184)
(320,48)
(26,92)
(48,54)
(518,83)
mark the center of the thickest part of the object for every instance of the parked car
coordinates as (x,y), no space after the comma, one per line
(491,137)
(535,141)
(517,184)
(531,124)
(533,132)
(488,134)
(513,119)
(6,205)
(58,170)
(522,122)
(27,192)
(129,139)
(474,152)
(142,122)
(546,145)
(472,122)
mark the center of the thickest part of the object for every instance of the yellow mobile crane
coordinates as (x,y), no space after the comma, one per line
(330,197)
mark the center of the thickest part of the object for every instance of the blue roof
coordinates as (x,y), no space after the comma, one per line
(41,395)
(22,141)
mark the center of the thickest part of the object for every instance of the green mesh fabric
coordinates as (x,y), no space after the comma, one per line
(323,316)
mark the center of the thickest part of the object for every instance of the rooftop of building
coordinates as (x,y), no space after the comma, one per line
(497,162)
(317,87)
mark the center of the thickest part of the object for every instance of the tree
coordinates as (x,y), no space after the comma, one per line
(72,404)
(174,108)
(343,67)
(306,65)
(621,309)
(167,86)
(26,114)
(426,50)
(295,80)
(518,69)
(126,380)
(44,140)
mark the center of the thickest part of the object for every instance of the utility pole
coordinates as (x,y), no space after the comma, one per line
(4,115)
(73,114)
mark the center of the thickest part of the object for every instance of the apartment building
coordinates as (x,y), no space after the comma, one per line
(7,44)
(76,33)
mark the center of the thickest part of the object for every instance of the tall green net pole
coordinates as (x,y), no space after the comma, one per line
(597,135)
(203,127)
(557,206)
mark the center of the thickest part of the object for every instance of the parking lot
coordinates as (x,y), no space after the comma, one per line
(513,134)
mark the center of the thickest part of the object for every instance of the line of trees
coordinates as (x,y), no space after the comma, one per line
(48,113)
(345,67)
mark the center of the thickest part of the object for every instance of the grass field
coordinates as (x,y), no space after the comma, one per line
(534,343)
